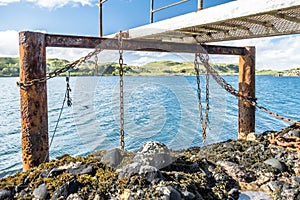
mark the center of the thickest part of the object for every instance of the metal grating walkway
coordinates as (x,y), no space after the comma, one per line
(240,19)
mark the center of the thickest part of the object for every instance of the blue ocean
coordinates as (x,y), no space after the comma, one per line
(157,108)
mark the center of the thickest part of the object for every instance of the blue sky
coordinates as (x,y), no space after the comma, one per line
(81,17)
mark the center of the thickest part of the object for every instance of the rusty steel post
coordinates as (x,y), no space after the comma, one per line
(246,121)
(34,110)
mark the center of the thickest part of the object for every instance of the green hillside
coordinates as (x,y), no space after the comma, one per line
(9,66)
(181,68)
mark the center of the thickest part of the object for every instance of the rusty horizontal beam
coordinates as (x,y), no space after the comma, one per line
(72,41)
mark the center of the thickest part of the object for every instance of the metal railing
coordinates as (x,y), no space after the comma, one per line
(152,10)
(100,17)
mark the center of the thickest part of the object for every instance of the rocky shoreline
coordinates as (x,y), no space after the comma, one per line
(235,169)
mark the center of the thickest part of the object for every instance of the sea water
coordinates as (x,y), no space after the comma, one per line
(157,108)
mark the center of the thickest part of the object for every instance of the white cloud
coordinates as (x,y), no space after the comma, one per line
(60,3)
(9,43)
(70,54)
(141,61)
(9,47)
(51,4)
(6,2)
(271,53)
(142,58)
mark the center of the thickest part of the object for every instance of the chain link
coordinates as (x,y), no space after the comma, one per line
(74,65)
(96,65)
(204,123)
(121,72)
(69,100)
(207,103)
(204,60)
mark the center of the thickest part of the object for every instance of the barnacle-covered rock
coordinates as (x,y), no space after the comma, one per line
(226,170)
(41,192)
(154,154)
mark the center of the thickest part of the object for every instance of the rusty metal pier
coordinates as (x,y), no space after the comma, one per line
(34,120)
(182,34)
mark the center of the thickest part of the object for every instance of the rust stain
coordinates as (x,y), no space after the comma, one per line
(246,117)
(34,112)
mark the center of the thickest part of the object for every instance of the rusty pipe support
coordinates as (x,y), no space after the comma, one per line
(246,113)
(33,100)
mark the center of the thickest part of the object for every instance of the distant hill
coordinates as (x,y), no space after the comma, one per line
(9,66)
(182,68)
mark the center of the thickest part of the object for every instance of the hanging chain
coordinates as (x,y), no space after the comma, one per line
(96,65)
(57,72)
(204,60)
(203,122)
(120,42)
(196,66)
(69,103)
(69,100)
(207,102)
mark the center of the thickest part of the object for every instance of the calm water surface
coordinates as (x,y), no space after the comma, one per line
(156,108)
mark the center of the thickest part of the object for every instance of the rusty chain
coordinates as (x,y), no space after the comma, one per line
(203,57)
(57,72)
(121,72)
(207,101)
(96,65)
(203,122)
(68,90)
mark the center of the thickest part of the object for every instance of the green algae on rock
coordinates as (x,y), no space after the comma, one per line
(217,171)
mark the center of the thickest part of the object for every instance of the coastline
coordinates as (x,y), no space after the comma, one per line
(289,74)
(10,68)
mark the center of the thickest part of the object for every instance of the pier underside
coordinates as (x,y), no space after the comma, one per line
(240,19)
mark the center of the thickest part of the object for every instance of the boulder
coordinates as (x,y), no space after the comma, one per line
(169,193)
(248,195)
(4,194)
(233,194)
(150,173)
(188,195)
(294,133)
(237,172)
(82,169)
(129,170)
(155,154)
(113,157)
(74,196)
(275,164)
(66,189)
(52,172)
(41,192)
